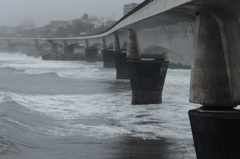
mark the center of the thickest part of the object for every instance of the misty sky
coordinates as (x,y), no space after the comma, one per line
(14,12)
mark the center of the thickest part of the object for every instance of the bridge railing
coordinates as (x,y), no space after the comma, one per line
(140,6)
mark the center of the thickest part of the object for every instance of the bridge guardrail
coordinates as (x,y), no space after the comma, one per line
(140,6)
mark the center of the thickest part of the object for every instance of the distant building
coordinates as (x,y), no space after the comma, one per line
(128,7)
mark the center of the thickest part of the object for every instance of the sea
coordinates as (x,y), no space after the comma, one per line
(79,110)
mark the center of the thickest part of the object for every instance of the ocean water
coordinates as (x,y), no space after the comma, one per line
(78,110)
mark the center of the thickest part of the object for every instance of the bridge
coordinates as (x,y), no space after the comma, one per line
(201,33)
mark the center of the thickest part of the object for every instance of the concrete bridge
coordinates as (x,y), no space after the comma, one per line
(201,33)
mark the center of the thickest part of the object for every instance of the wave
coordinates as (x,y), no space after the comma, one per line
(20,115)
(7,69)
(13,110)
(33,71)
(105,115)
(21,128)
(67,69)
(46,74)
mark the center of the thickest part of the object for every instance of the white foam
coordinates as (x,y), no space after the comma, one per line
(169,119)
(69,69)
(5,97)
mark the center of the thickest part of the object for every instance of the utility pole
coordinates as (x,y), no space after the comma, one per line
(102,23)
(112,18)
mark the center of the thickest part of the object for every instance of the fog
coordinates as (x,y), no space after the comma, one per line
(14,12)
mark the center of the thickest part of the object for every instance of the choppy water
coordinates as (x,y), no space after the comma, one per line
(78,110)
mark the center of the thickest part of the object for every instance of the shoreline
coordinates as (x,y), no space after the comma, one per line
(80,56)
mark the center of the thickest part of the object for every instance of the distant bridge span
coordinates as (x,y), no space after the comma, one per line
(201,33)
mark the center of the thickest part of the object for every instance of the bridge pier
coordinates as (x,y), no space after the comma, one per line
(147,80)
(53,47)
(121,65)
(120,60)
(107,55)
(146,77)
(216,133)
(68,50)
(91,54)
(108,58)
(37,47)
(215,126)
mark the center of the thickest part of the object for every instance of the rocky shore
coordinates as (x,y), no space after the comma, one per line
(81,57)
(60,56)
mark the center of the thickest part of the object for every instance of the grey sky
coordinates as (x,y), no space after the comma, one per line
(13,12)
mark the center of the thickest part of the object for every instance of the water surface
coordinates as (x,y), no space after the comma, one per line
(78,110)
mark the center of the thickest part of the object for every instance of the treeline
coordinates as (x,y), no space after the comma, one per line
(74,30)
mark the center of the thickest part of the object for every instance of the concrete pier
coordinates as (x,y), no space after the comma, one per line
(121,65)
(215,126)
(216,133)
(108,58)
(53,47)
(68,50)
(91,54)
(147,79)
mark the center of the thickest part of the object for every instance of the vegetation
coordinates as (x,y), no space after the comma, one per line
(74,30)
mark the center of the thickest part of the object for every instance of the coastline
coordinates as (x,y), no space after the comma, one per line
(80,56)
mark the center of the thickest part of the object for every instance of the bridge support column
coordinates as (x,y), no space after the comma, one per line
(215,126)
(147,80)
(53,47)
(108,58)
(121,65)
(37,47)
(120,60)
(146,77)
(91,54)
(216,133)
(67,49)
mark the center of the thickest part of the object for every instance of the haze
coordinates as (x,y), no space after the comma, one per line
(14,12)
